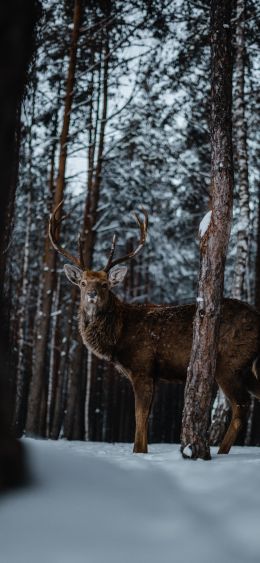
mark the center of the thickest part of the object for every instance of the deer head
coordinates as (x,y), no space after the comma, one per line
(94,285)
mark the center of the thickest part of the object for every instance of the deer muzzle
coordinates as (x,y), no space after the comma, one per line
(92,296)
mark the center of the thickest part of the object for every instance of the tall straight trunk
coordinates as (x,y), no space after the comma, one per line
(59,394)
(94,180)
(54,360)
(213,243)
(257,263)
(89,237)
(65,366)
(20,374)
(8,220)
(240,126)
(37,387)
(23,313)
(52,400)
(239,290)
(90,219)
(252,434)
(18,22)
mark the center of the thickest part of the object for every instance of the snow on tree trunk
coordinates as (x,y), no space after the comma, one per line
(213,244)
(37,386)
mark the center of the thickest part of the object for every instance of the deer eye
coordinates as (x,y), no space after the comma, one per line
(104,285)
(83,284)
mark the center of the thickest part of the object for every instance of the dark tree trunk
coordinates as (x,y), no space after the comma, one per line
(5,240)
(213,243)
(17,22)
(89,237)
(257,264)
(21,329)
(222,410)
(38,387)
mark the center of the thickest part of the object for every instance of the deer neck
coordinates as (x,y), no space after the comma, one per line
(101,329)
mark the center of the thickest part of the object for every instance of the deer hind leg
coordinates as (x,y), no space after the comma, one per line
(144,392)
(240,400)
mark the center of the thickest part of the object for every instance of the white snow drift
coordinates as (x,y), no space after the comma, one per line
(99,503)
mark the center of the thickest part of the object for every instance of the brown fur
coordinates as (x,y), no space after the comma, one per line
(148,342)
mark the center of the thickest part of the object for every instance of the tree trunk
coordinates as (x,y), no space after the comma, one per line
(37,387)
(18,21)
(5,240)
(257,263)
(89,237)
(219,421)
(213,243)
(20,372)
(53,403)
(239,282)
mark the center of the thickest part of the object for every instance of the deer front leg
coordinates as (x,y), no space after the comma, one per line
(144,391)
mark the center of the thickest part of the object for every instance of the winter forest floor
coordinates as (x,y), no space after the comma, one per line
(99,503)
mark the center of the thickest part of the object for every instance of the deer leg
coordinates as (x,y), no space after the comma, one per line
(239,413)
(144,391)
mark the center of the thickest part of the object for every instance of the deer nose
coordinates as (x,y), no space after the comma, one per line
(92,294)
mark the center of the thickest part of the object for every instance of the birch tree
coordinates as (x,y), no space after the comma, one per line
(213,243)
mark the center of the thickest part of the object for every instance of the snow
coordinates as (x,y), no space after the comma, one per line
(187,450)
(204,224)
(99,503)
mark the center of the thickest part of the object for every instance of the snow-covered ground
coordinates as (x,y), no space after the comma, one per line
(99,503)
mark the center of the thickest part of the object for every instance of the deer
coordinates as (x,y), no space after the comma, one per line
(147,343)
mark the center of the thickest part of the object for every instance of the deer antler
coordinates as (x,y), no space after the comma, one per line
(54,225)
(143,226)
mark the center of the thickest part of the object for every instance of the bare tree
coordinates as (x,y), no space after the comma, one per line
(215,231)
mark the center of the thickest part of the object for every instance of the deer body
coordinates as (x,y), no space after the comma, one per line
(147,343)
(157,339)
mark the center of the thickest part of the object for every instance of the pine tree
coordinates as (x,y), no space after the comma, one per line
(213,246)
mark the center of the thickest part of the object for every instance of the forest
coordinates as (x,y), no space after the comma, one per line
(114,118)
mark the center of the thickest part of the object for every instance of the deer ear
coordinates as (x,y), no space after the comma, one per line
(116,275)
(73,273)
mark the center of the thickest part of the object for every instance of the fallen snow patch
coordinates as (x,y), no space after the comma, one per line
(187,450)
(99,503)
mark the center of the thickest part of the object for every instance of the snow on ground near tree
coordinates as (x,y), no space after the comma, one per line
(99,503)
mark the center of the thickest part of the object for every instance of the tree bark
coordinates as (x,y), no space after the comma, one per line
(89,237)
(18,22)
(20,375)
(213,243)
(239,285)
(37,387)
(219,421)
